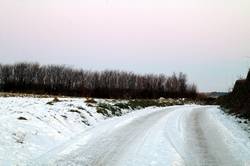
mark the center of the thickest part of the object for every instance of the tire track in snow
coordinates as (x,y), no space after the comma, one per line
(196,142)
(209,142)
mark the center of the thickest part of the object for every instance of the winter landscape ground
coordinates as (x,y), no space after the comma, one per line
(36,131)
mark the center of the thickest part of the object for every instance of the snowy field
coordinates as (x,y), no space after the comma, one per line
(71,132)
(30,126)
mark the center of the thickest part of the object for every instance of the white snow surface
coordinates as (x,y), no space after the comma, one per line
(47,126)
(189,135)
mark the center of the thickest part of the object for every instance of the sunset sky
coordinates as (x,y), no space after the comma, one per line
(209,40)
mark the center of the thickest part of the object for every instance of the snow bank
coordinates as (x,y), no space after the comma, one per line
(30,126)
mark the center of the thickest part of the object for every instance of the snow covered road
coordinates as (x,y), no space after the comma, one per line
(179,135)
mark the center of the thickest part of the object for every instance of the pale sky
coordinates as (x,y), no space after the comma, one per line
(206,39)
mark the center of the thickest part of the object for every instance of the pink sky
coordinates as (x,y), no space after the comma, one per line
(140,35)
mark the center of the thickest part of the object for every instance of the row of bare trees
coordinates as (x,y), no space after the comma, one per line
(62,80)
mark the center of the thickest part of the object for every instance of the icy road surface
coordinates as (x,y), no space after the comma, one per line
(174,136)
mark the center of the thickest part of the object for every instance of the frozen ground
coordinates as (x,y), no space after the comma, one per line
(30,127)
(179,135)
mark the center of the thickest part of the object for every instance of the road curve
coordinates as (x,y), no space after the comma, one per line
(182,135)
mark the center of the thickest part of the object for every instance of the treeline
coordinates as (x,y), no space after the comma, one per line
(62,80)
